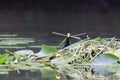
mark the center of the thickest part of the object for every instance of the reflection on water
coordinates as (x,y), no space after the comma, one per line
(74,22)
(23,75)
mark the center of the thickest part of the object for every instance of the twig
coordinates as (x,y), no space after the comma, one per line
(66,35)
(104,48)
(79,34)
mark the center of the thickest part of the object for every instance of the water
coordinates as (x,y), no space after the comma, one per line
(40,21)
(24,75)
(34,20)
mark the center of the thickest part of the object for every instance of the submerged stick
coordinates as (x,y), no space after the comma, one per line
(66,35)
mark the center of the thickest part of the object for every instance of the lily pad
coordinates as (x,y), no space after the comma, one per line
(24,52)
(103,60)
(47,50)
(15,41)
(3,58)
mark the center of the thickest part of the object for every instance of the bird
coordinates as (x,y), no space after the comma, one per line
(67,41)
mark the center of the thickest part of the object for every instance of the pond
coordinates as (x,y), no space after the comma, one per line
(33,41)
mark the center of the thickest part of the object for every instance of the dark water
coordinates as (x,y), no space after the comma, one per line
(74,16)
(46,22)
(24,75)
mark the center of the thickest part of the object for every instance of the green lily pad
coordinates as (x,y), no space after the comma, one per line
(103,60)
(15,41)
(46,50)
(3,58)
(24,52)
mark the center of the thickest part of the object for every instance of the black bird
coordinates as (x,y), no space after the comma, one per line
(67,41)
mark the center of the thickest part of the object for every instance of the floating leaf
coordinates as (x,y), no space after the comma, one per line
(25,52)
(47,50)
(4,47)
(3,58)
(48,73)
(15,41)
(105,59)
(102,61)
(102,70)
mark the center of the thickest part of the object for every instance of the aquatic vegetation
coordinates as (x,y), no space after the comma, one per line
(87,59)
(15,41)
